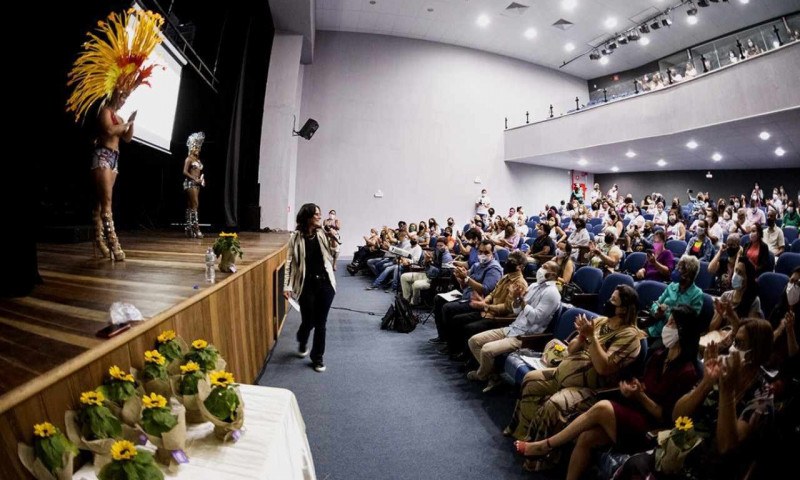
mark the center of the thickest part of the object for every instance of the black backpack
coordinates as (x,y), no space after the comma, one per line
(399,317)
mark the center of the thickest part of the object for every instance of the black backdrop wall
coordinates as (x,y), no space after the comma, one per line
(723,184)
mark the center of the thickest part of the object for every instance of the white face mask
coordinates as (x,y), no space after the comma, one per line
(485,259)
(541,275)
(737,281)
(735,351)
(669,335)
(701,230)
(793,294)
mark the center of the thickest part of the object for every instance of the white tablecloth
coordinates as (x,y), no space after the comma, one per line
(273,446)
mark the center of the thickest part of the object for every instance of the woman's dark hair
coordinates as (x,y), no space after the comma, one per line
(750,289)
(759,231)
(629,300)
(759,339)
(546,228)
(304,216)
(689,330)
(660,233)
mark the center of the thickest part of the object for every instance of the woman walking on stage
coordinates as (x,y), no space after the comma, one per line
(193,171)
(309,277)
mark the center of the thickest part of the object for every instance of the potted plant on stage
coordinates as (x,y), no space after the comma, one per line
(130,464)
(52,454)
(221,403)
(227,247)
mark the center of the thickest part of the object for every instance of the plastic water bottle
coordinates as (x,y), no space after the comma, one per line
(210,264)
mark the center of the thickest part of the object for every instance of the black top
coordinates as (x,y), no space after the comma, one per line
(315,265)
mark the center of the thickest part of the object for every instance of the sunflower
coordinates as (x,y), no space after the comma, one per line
(154,400)
(94,397)
(232,235)
(120,374)
(558,347)
(199,344)
(684,424)
(123,450)
(166,336)
(44,430)
(221,378)
(189,367)
(152,356)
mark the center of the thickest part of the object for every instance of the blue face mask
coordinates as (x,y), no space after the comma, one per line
(737,281)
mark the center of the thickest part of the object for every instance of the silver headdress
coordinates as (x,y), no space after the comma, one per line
(195,141)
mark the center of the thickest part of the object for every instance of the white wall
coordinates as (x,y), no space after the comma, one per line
(419,121)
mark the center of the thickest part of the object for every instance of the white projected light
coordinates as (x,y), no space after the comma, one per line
(530,33)
(156,104)
(615,169)
(582,162)
(779,151)
(764,135)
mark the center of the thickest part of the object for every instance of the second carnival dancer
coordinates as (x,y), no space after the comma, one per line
(193,171)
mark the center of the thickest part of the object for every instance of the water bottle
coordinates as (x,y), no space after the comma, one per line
(210,264)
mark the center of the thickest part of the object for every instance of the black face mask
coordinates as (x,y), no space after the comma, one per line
(579,225)
(732,251)
(510,267)
(609,239)
(770,222)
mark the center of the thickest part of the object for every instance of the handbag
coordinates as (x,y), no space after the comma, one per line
(569,291)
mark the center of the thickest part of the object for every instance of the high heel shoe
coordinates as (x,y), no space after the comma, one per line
(111,236)
(541,450)
(99,235)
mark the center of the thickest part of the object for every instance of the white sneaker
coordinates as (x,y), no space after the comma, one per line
(319,367)
(302,353)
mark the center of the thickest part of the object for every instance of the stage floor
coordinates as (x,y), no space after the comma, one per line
(59,320)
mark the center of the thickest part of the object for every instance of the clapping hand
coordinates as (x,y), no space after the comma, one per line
(729,372)
(731,314)
(516,290)
(631,389)
(711,363)
(584,326)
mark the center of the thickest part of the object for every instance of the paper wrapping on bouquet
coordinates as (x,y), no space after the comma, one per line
(554,352)
(158,386)
(171,445)
(672,450)
(101,448)
(39,470)
(190,402)
(228,262)
(222,430)
(174,366)
(128,412)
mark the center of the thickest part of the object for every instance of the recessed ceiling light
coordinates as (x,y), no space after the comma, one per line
(779,151)
(630,154)
(661,163)
(764,135)
(692,144)
(692,20)
(644,41)
(745,2)
(611,22)
(569,4)
(615,169)
(530,33)
(483,21)
(603,60)
(708,175)
(582,162)
(569,47)
(716,157)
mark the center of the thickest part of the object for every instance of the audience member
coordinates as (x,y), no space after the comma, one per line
(659,263)
(682,292)
(742,299)
(722,265)
(757,251)
(606,255)
(414,283)
(791,218)
(701,246)
(773,235)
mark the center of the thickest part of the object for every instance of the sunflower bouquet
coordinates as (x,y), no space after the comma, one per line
(205,355)
(221,403)
(170,346)
(674,445)
(52,455)
(184,388)
(227,247)
(127,463)
(120,391)
(165,426)
(154,376)
(94,427)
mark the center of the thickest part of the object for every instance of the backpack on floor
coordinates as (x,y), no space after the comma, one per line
(399,317)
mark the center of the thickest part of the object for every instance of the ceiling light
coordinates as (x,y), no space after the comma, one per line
(630,154)
(483,21)
(615,169)
(569,4)
(603,60)
(692,20)
(716,157)
(764,135)
(644,28)
(595,55)
(644,41)
(692,144)
(708,175)
(744,2)
(661,163)
(779,151)
(569,47)
(530,33)
(582,162)
(611,22)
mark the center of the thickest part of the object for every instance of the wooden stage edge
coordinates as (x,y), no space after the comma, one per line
(241,314)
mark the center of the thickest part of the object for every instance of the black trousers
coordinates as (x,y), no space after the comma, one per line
(315,303)
(463,326)
(444,311)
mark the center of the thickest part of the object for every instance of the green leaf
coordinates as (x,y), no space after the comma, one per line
(154,371)
(189,381)
(170,350)
(98,422)
(222,403)
(50,450)
(119,391)
(206,358)
(156,421)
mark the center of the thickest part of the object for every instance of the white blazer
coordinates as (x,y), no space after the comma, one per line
(294,270)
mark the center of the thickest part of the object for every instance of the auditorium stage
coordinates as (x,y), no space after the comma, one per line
(49,351)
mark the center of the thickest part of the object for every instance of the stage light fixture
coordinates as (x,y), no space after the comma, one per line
(692,11)
(595,55)
(644,28)
(655,25)
(634,35)
(612,45)
(606,51)
(622,40)
(667,22)
(708,175)
(703,3)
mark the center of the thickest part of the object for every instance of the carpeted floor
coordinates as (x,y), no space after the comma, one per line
(389,406)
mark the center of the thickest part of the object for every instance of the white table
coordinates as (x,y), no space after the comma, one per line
(273,446)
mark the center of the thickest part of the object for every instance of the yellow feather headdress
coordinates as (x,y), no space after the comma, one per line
(116,62)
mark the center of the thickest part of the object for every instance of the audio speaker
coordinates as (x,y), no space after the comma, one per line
(308,129)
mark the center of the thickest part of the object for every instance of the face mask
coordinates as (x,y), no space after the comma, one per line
(735,351)
(793,294)
(609,239)
(790,209)
(510,267)
(658,247)
(485,259)
(737,204)
(726,216)
(541,275)
(732,251)
(701,230)
(701,217)
(669,335)
(672,218)
(659,210)
(770,222)
(737,281)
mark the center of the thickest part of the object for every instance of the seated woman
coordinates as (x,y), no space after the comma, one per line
(566,266)
(682,292)
(659,263)
(543,248)
(595,357)
(579,237)
(730,408)
(782,319)
(669,373)
(757,252)
(743,298)
(675,228)
(721,266)
(701,246)
(510,239)
(606,255)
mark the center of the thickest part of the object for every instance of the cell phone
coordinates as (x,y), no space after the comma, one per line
(112,330)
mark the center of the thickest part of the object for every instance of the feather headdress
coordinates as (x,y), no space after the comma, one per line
(113,59)
(195,141)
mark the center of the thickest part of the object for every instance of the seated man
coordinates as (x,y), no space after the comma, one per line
(773,236)
(377,265)
(485,309)
(722,265)
(682,292)
(607,255)
(393,271)
(534,312)
(468,243)
(659,263)
(481,279)
(414,282)
(578,238)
